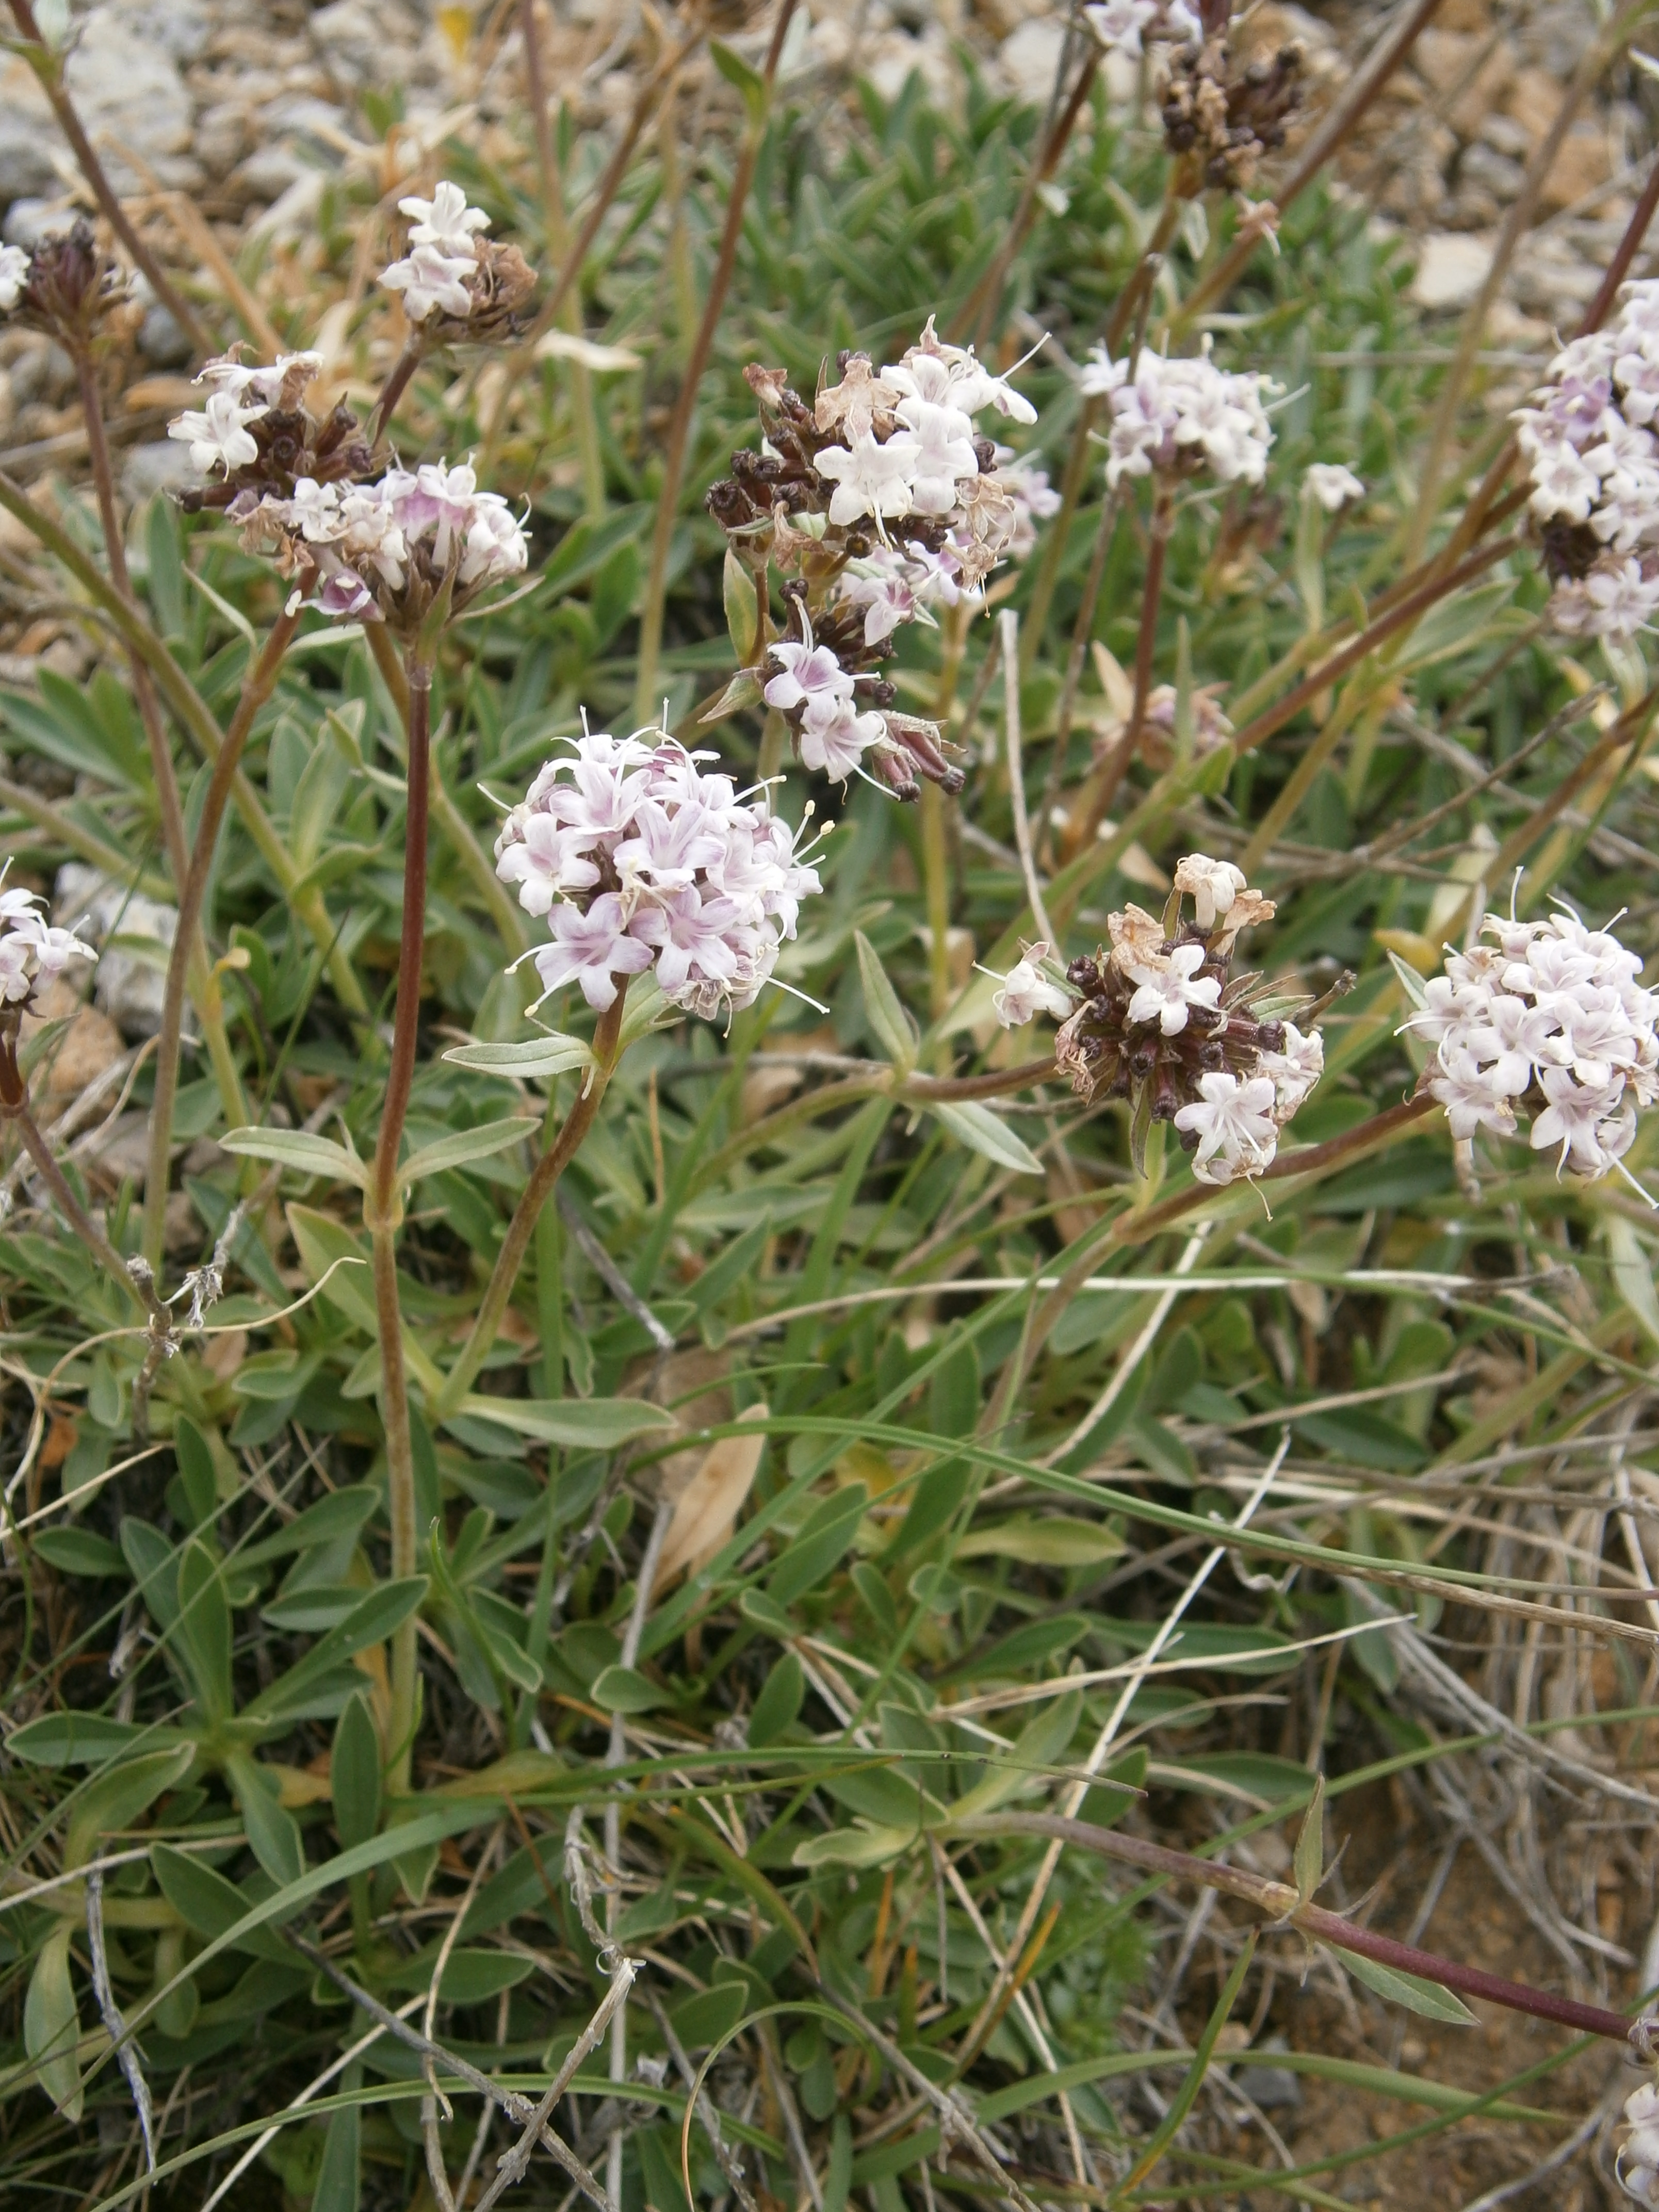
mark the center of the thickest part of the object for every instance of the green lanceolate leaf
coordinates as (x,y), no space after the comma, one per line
(987,1133)
(577,1423)
(896,1032)
(112,1800)
(273,1830)
(204,1632)
(1308,1863)
(298,1150)
(1428,1998)
(52,2025)
(355,1773)
(467,1145)
(530,1062)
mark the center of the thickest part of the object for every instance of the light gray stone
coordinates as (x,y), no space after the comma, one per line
(162,339)
(131,977)
(162,466)
(1451,267)
(27,222)
(130,94)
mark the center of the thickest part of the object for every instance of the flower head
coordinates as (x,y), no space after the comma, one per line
(1180,416)
(14,274)
(34,952)
(640,860)
(1331,486)
(1549,1017)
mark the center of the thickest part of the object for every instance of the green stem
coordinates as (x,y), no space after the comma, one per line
(257,688)
(646,702)
(607,1051)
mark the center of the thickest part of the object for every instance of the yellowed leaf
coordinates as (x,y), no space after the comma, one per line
(707,1507)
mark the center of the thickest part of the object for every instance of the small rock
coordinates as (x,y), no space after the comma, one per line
(1272,2087)
(1533,101)
(182,1235)
(130,94)
(1504,136)
(1582,164)
(27,136)
(124,1150)
(1451,267)
(27,222)
(90,1045)
(1484,92)
(162,339)
(1489,172)
(1030,57)
(161,466)
(1551,278)
(223,137)
(130,980)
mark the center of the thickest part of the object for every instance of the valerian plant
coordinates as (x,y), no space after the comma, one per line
(687,1359)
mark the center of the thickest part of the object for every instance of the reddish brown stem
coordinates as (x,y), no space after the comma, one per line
(47,67)
(996,1082)
(396,383)
(405,1020)
(1403,612)
(1282,1902)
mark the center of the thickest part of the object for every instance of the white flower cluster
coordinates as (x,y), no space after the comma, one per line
(1121,26)
(926,463)
(355,533)
(638,858)
(443,253)
(1331,486)
(217,433)
(1161,1011)
(1593,456)
(32,951)
(1550,1012)
(14,274)
(1638,2163)
(1182,415)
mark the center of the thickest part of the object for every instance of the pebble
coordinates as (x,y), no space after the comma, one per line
(1451,267)
(128,986)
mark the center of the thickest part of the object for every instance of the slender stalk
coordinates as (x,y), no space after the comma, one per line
(1097,795)
(936,884)
(382,1212)
(679,428)
(15,1109)
(257,688)
(607,1050)
(1283,1903)
(447,815)
(413,354)
(1054,544)
(203,989)
(1008,628)
(48,69)
(1403,611)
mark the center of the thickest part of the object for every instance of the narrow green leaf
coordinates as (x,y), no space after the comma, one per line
(625,1690)
(52,2025)
(528,1062)
(1428,1998)
(298,1150)
(467,1145)
(114,1800)
(577,1423)
(895,1030)
(1308,1862)
(355,1773)
(987,1133)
